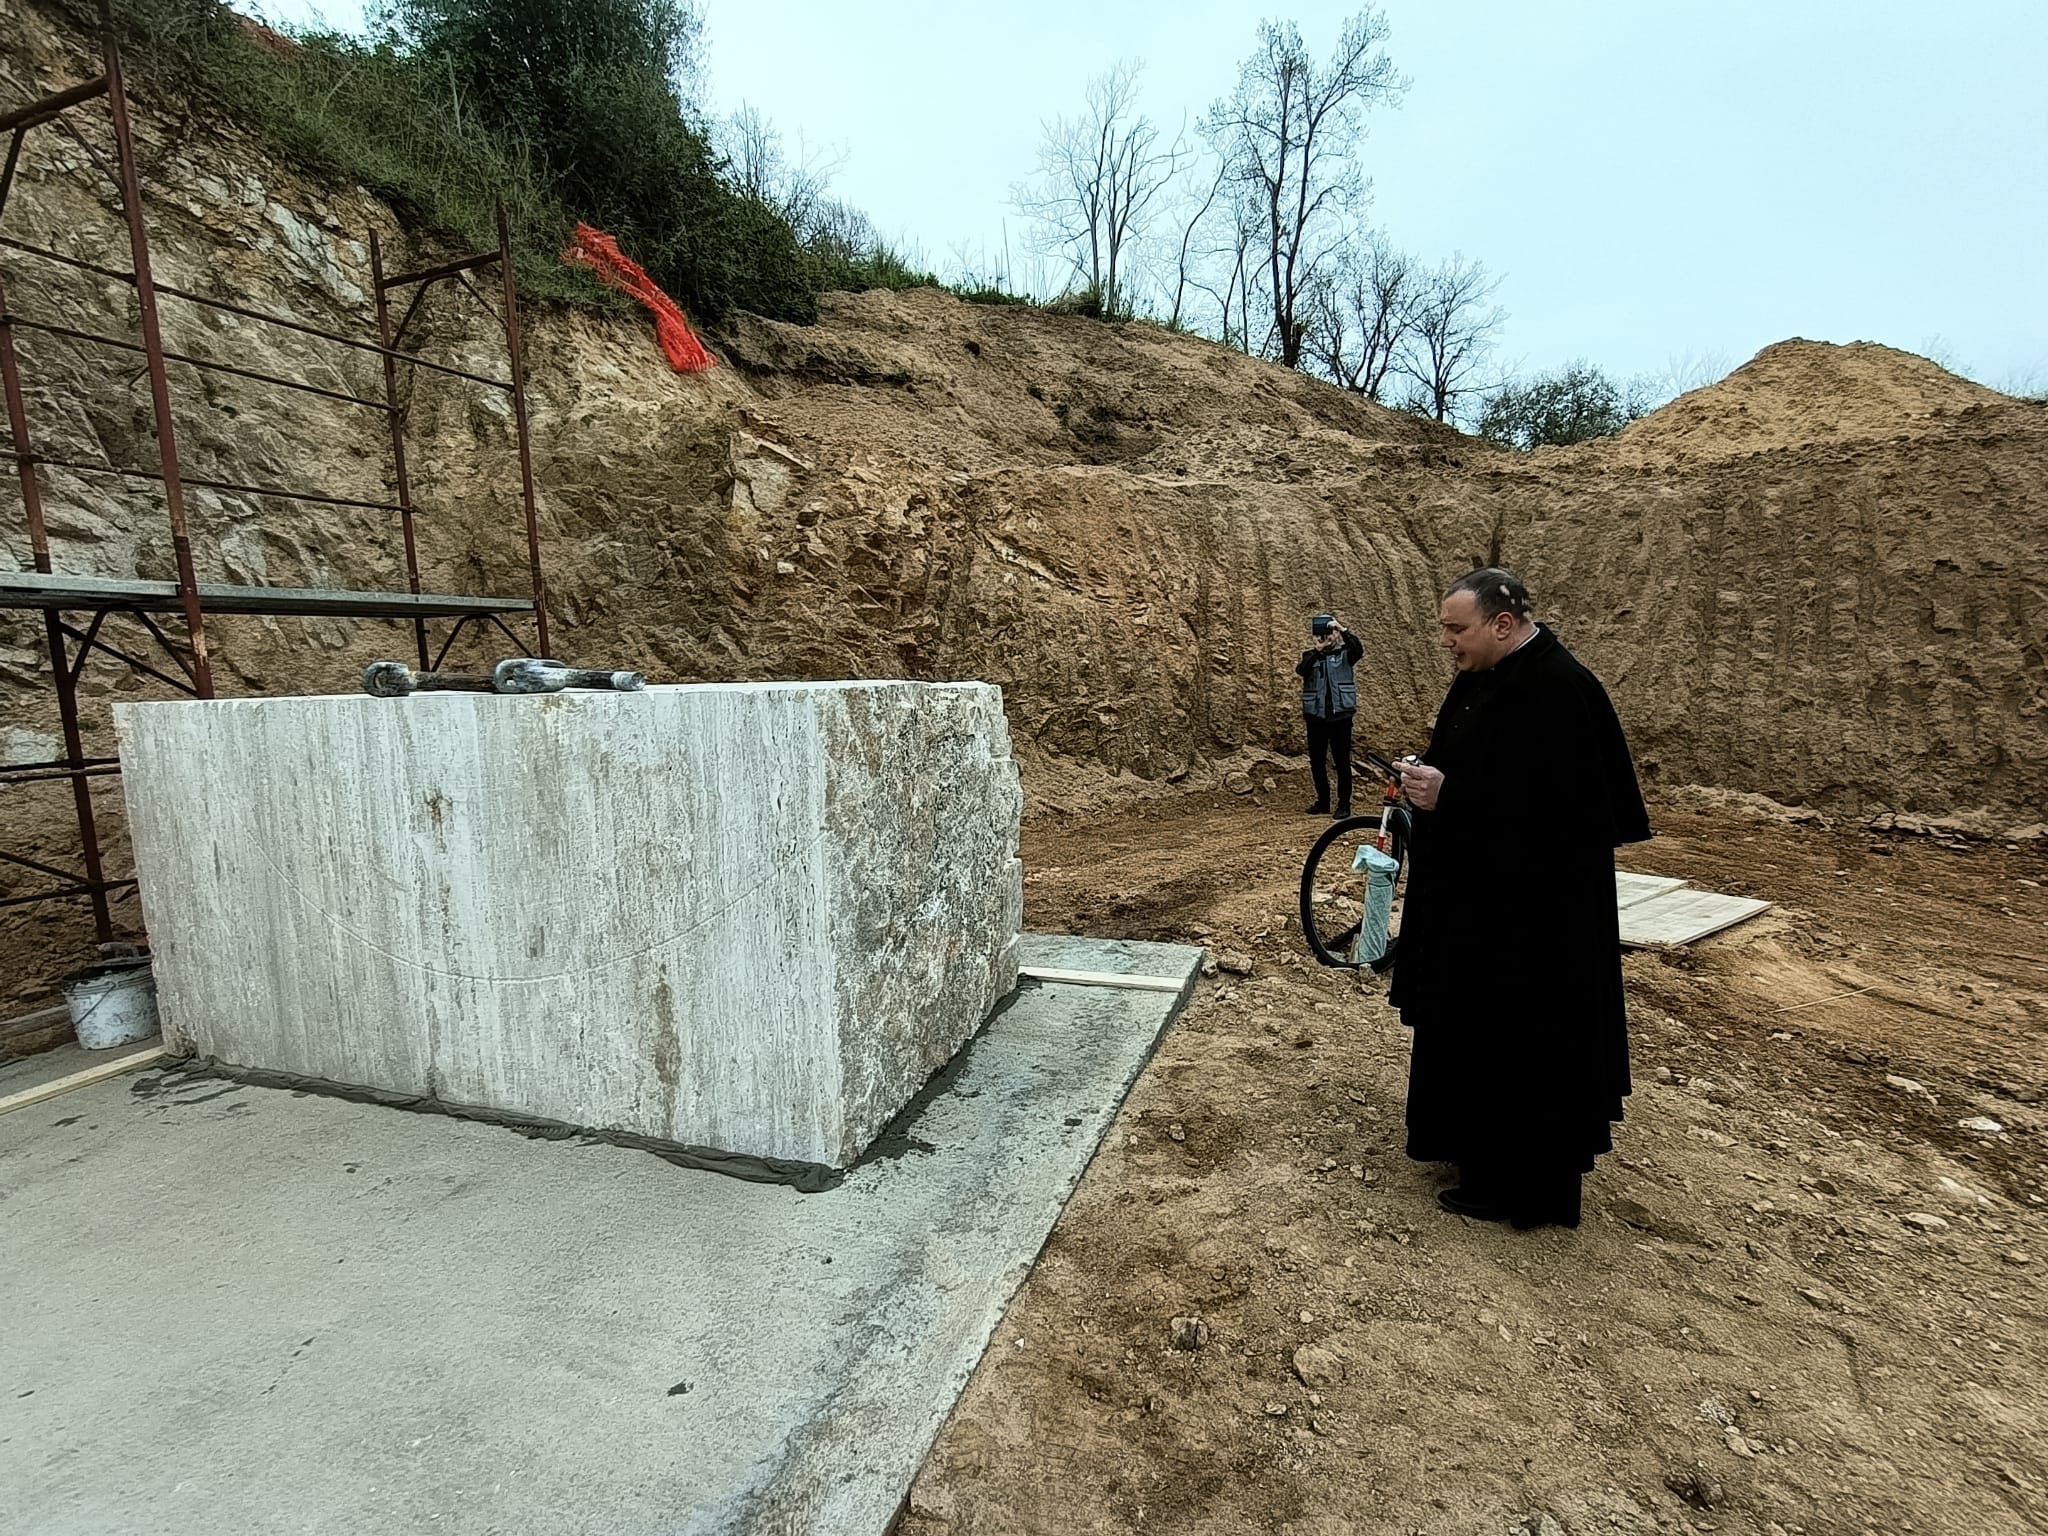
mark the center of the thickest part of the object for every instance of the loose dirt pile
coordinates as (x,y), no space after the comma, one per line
(1799,393)
(1804,1298)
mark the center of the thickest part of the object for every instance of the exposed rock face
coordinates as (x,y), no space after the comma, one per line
(1821,580)
(754,917)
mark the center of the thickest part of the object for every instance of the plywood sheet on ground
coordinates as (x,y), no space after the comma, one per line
(1631,888)
(1683,916)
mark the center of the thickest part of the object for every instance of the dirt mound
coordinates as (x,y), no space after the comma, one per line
(1004,385)
(1797,392)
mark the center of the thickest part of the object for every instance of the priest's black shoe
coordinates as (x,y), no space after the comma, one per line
(1342,813)
(1321,808)
(1459,1202)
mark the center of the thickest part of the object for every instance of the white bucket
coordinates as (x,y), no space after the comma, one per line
(115,1006)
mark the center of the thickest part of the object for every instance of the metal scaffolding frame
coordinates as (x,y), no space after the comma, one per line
(67,601)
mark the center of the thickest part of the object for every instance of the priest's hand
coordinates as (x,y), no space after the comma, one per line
(1421,783)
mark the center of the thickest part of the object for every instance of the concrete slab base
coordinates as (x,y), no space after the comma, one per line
(242,1310)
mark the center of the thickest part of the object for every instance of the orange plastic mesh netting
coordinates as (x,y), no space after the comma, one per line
(600,253)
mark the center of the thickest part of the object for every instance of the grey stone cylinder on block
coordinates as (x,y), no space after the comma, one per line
(750,916)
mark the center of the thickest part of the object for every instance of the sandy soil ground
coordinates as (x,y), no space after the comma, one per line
(1804,1299)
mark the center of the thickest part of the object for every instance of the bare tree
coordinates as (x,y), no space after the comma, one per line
(1291,132)
(1100,176)
(1694,369)
(841,231)
(1941,352)
(1231,263)
(1453,329)
(758,165)
(1197,209)
(2026,382)
(1682,372)
(1359,315)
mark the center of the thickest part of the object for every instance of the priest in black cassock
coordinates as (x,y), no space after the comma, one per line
(1508,970)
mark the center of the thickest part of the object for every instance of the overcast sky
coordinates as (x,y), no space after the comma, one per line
(1653,178)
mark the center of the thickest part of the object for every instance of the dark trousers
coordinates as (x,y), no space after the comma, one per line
(1334,737)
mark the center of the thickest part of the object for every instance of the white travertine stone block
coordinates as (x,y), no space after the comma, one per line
(749,916)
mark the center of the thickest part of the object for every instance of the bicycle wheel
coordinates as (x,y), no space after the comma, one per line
(1333,893)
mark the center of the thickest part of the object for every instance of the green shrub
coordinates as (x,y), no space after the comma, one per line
(562,111)
(1574,404)
(362,110)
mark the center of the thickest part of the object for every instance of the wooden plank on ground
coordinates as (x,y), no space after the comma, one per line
(1103,979)
(98,1073)
(1631,888)
(1684,916)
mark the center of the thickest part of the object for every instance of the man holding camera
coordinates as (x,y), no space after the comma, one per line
(1329,700)
(1508,972)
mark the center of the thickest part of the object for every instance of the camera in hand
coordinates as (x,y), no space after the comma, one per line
(1321,625)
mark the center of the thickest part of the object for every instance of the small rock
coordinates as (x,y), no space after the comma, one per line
(2017,1256)
(1266,785)
(1820,1299)
(1177,1131)
(1188,1332)
(932,1501)
(1696,1486)
(1276,1410)
(1984,1125)
(1308,1317)
(1736,1442)
(1546,1525)
(1663,1074)
(1209,965)
(1907,1085)
(1924,1221)
(1635,1214)
(1488,1320)
(1318,1367)
(1236,962)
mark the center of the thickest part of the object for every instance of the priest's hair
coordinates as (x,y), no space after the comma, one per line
(1495,591)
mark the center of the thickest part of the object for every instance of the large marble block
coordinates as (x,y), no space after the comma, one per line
(749,916)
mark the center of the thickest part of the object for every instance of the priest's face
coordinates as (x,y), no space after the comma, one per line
(1475,643)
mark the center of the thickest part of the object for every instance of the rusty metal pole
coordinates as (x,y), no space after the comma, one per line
(540,591)
(53,632)
(7,170)
(397,421)
(159,381)
(17,426)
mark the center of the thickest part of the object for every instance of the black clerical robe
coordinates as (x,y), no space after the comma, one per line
(1509,963)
